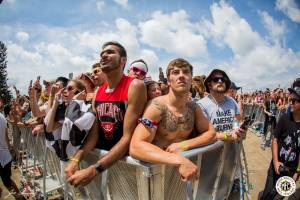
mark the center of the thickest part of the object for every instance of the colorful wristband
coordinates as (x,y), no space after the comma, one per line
(184,146)
(148,122)
(75,160)
(226,135)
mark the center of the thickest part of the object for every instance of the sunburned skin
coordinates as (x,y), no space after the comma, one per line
(173,127)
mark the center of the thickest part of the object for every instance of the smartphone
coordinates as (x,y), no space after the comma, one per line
(38,78)
(30,84)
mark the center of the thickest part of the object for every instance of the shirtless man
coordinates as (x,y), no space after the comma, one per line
(167,124)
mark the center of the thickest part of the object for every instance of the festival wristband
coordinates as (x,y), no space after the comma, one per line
(75,160)
(226,135)
(148,122)
(184,146)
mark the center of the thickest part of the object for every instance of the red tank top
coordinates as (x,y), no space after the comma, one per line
(110,108)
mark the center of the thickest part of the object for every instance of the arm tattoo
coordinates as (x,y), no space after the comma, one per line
(171,122)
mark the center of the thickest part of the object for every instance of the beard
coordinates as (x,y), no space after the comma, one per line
(110,66)
(220,90)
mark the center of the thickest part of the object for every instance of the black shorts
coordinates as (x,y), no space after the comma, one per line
(5,173)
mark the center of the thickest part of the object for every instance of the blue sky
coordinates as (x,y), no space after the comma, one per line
(256,42)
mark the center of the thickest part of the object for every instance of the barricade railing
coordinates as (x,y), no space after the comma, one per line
(256,112)
(133,179)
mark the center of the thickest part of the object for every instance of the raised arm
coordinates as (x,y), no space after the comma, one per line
(37,111)
(51,124)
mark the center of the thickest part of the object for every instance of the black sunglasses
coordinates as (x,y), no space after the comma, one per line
(217,79)
(70,88)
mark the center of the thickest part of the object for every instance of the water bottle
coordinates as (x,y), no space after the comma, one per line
(235,124)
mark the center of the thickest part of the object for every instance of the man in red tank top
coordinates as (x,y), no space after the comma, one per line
(118,104)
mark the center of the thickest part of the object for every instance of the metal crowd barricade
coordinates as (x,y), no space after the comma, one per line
(256,112)
(33,153)
(133,179)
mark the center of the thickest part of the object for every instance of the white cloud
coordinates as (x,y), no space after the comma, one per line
(100,5)
(22,36)
(174,33)
(227,27)
(255,62)
(123,3)
(276,29)
(290,8)
(57,51)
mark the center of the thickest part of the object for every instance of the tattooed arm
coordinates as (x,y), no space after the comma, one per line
(141,146)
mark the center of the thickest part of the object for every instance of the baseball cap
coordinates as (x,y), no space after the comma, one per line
(295,88)
(233,86)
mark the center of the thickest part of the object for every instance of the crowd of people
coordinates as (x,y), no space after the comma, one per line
(150,120)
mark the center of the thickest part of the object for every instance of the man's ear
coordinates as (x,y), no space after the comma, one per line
(123,61)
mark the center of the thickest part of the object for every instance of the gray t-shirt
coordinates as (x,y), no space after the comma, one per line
(221,116)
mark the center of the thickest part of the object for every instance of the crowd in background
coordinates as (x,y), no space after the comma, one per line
(49,105)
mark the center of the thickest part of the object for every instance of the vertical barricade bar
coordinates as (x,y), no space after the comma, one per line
(143,180)
(228,171)
(94,189)
(157,182)
(196,182)
(44,173)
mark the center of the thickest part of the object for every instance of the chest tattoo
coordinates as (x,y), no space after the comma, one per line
(172,123)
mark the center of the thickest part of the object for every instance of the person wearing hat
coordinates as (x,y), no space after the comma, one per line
(220,109)
(89,84)
(138,69)
(285,145)
(233,90)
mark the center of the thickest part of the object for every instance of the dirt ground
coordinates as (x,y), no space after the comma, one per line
(258,162)
(257,159)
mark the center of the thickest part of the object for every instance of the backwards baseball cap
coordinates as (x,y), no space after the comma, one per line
(141,64)
(211,76)
(233,86)
(295,88)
